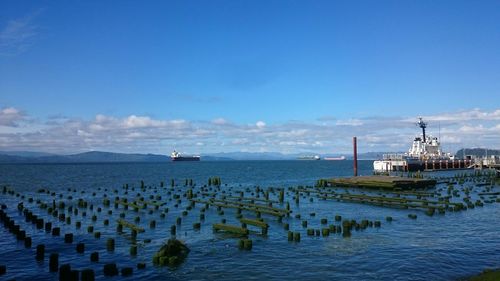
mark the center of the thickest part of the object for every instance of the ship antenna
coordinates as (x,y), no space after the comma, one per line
(422,125)
(439,131)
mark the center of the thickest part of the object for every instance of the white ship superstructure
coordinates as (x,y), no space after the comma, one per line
(424,154)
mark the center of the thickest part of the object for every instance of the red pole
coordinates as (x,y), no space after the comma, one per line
(355,147)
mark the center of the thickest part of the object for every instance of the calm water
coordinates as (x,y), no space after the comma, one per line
(442,247)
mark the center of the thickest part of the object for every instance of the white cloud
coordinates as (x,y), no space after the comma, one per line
(260,124)
(17,35)
(11,117)
(464,115)
(142,122)
(136,133)
(349,122)
(219,121)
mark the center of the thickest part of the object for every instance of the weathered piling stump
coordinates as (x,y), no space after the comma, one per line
(333,228)
(21,235)
(296,236)
(245,244)
(27,242)
(110,244)
(68,238)
(88,275)
(54,262)
(3,270)
(56,231)
(80,248)
(172,253)
(39,223)
(94,256)
(127,271)
(65,272)
(133,250)
(110,269)
(40,252)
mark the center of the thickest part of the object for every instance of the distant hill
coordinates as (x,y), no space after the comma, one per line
(111,157)
(26,153)
(480,152)
(89,157)
(12,159)
(92,156)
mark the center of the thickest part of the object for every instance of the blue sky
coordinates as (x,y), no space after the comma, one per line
(208,76)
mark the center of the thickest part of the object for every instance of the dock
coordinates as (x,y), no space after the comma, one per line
(384,182)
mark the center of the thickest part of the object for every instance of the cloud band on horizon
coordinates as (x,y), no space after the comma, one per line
(467,128)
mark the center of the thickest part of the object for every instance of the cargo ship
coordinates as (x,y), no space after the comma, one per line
(424,154)
(334,158)
(309,157)
(176,156)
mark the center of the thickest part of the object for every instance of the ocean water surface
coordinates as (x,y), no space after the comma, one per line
(442,247)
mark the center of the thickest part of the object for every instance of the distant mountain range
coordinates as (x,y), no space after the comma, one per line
(86,157)
(100,156)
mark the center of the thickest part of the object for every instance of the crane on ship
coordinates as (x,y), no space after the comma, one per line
(422,125)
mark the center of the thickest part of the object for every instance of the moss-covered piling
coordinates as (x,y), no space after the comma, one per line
(110,244)
(230,229)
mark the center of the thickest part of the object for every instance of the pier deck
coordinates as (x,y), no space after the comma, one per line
(386,182)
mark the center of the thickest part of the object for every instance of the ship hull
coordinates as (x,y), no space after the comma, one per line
(413,165)
(334,158)
(179,159)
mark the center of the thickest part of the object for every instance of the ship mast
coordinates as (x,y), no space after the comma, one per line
(422,125)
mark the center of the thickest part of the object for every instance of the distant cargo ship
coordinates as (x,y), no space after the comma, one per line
(176,156)
(334,158)
(309,157)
